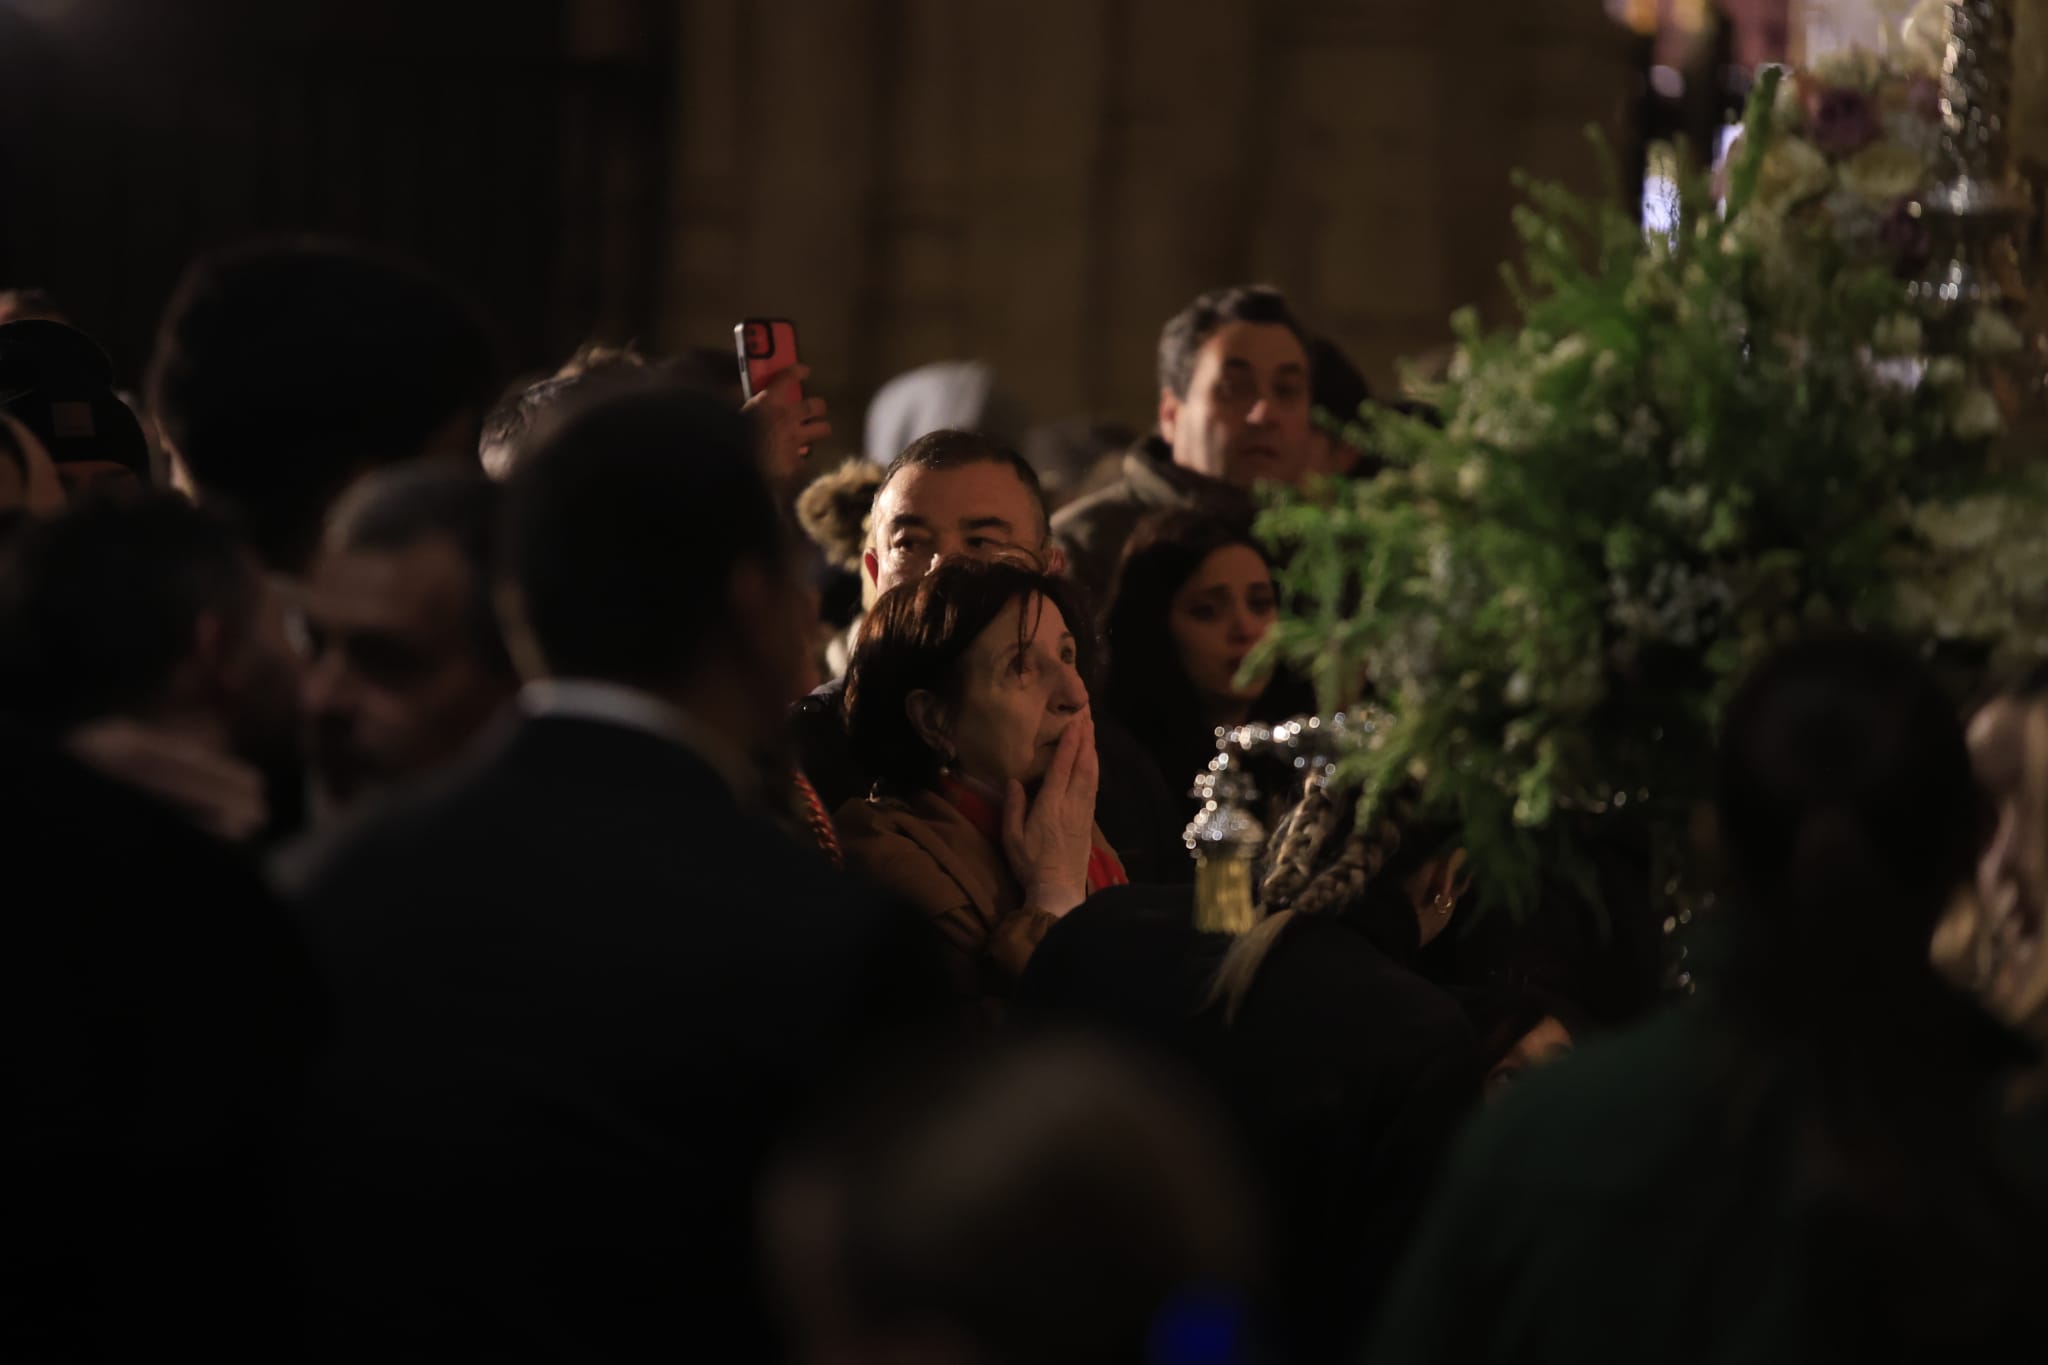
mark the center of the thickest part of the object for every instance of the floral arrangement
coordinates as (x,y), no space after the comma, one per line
(1691,449)
(1850,148)
(1852,143)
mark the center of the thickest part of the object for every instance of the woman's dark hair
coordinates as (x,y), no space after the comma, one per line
(1147,691)
(1849,816)
(915,637)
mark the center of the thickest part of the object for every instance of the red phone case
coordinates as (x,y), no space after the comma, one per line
(767,347)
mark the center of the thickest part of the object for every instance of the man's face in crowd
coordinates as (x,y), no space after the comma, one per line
(980,509)
(1245,416)
(399,682)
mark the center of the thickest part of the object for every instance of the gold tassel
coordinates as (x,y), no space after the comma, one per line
(1223,891)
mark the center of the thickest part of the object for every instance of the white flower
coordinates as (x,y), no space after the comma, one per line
(1685,508)
(1471,477)
(1883,172)
(1946,372)
(1518,690)
(1641,437)
(1977,416)
(1915,132)
(1604,365)
(1440,565)
(1967,525)
(1992,333)
(1852,68)
(1605,426)
(1923,38)
(1572,348)
(1899,334)
(1788,110)
(1793,171)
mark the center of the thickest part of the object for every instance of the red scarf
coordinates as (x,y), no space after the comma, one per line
(815,816)
(1103,867)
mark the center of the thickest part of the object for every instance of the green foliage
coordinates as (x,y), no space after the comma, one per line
(1683,455)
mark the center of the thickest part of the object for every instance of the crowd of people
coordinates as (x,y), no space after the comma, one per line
(530,874)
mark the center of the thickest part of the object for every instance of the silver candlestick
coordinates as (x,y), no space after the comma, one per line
(1974,214)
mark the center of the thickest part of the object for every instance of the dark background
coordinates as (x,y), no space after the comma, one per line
(466,134)
(1037,183)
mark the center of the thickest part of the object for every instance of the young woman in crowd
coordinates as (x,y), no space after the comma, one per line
(967,696)
(1193,597)
(1814,1162)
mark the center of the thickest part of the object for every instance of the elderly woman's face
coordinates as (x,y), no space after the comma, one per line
(1019,689)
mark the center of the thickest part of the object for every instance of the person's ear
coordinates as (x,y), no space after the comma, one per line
(1055,559)
(927,716)
(1169,414)
(872,562)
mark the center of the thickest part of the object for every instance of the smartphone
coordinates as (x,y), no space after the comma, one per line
(767,347)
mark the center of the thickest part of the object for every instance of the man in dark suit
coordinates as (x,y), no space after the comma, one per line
(156,1011)
(581,983)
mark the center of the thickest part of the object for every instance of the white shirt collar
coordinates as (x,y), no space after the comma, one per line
(616,704)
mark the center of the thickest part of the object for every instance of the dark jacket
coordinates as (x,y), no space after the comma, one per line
(580,991)
(1350,1075)
(1673,1194)
(1093,530)
(1140,815)
(156,1014)
(1345,1073)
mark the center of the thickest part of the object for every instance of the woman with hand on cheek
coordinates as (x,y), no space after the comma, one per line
(967,694)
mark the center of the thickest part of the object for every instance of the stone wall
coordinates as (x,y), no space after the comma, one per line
(1041,182)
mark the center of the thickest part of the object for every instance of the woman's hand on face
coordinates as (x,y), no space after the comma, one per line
(1048,837)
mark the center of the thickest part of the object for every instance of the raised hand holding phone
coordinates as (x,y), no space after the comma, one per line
(772,379)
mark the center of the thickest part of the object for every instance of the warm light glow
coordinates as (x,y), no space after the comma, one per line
(1640,15)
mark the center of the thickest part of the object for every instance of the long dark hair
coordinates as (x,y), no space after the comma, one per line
(1148,691)
(1849,817)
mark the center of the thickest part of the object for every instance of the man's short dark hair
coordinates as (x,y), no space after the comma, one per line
(1335,385)
(99,607)
(949,449)
(284,369)
(395,509)
(623,526)
(1181,340)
